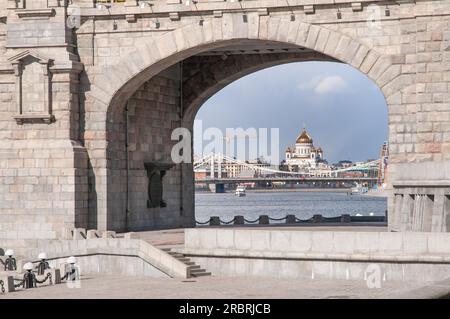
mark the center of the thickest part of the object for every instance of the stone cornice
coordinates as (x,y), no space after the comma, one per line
(35,13)
(165,7)
(67,67)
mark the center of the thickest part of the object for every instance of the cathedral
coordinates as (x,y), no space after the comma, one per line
(303,155)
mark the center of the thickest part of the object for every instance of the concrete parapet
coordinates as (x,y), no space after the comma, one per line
(79,233)
(109,234)
(131,235)
(352,244)
(93,233)
(328,254)
(111,255)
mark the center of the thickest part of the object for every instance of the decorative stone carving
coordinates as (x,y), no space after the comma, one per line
(155,174)
(33,87)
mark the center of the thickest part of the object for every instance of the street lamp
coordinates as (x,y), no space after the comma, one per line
(29,279)
(10,262)
(43,264)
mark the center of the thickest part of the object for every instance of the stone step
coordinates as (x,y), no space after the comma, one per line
(198,271)
(202,273)
(192,267)
(176,255)
(189,263)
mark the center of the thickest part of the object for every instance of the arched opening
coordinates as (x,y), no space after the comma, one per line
(128,149)
(345,114)
(145,189)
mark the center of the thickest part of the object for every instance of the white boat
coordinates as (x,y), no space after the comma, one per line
(359,189)
(240,191)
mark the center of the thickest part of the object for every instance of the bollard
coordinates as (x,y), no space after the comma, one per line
(345,218)
(264,219)
(8,283)
(318,218)
(214,221)
(239,220)
(56,275)
(290,219)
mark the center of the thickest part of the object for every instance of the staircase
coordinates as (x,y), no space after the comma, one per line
(194,269)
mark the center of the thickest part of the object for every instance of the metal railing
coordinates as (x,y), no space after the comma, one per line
(291,219)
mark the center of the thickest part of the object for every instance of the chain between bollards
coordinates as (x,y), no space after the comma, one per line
(48,277)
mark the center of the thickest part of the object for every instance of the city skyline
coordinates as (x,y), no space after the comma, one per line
(342,109)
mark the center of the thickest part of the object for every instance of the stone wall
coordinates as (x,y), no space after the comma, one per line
(320,254)
(88,74)
(153,113)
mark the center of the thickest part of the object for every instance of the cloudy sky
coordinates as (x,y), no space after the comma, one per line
(342,109)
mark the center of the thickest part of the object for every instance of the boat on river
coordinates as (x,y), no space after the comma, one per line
(240,191)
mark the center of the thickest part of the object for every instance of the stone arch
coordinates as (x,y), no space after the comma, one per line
(111,87)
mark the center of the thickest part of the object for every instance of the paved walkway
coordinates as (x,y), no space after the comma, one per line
(98,287)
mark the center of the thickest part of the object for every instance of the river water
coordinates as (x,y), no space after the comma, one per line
(279,204)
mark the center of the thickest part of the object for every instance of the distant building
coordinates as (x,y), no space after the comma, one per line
(343,164)
(239,170)
(304,155)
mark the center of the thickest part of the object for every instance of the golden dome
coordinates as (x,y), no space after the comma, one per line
(304,138)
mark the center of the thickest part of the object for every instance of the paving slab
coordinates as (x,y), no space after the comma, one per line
(101,287)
